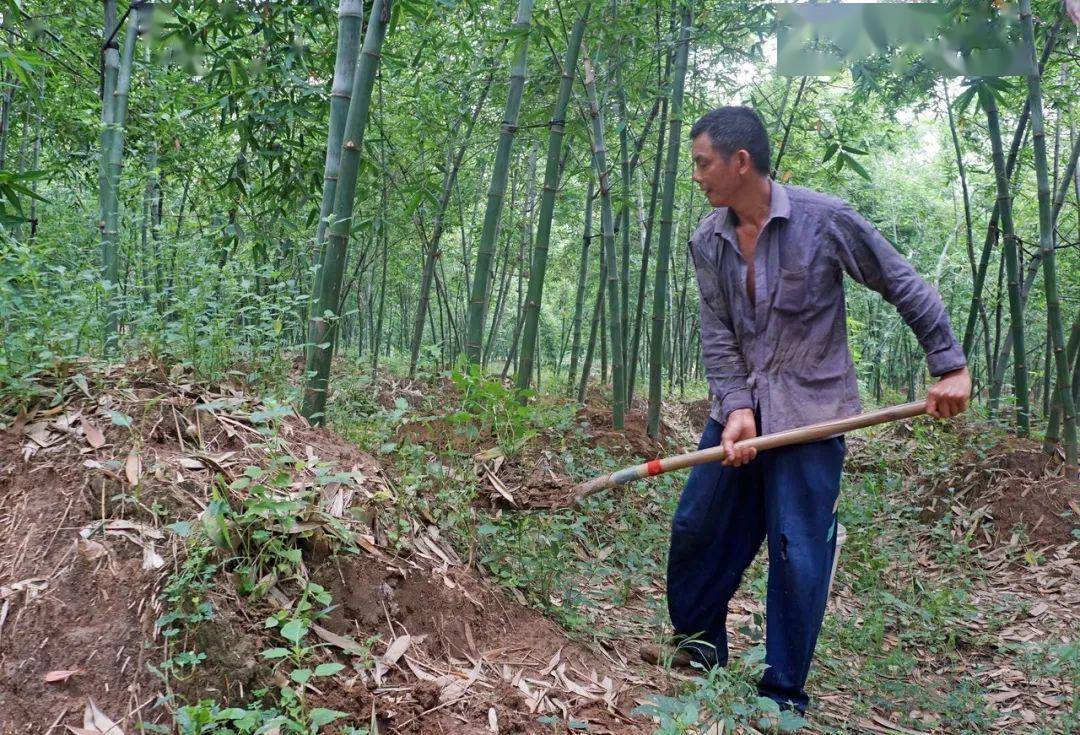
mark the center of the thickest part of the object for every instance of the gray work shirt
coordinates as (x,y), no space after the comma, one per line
(786,352)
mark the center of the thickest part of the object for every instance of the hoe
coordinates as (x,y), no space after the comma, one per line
(801,435)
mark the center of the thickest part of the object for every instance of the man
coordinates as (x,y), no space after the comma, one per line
(769,261)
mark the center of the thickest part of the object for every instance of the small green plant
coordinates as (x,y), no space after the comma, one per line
(296,655)
(487,404)
(209,718)
(265,527)
(725,695)
(251,535)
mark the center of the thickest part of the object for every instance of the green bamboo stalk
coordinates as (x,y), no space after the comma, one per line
(1053,424)
(643,274)
(788,127)
(384,239)
(623,217)
(579,299)
(992,228)
(8,84)
(603,329)
(502,275)
(478,298)
(326,313)
(350,25)
(607,232)
(526,247)
(594,330)
(113,155)
(1046,242)
(663,254)
(1020,381)
(110,69)
(1035,261)
(433,252)
(962,171)
(24,143)
(538,267)
(35,156)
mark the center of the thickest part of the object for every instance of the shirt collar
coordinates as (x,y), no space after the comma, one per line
(779,207)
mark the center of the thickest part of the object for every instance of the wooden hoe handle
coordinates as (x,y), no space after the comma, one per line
(801,435)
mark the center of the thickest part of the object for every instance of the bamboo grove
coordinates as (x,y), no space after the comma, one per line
(505,187)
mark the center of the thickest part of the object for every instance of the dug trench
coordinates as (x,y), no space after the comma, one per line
(114,593)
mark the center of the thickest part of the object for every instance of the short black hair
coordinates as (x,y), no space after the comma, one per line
(734,128)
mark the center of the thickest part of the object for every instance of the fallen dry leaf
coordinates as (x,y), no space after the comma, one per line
(340,641)
(397,649)
(93,434)
(133,467)
(32,587)
(501,489)
(90,550)
(95,722)
(151,559)
(64,675)
(190,463)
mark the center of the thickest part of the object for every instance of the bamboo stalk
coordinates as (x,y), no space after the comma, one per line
(674,151)
(1016,309)
(333,266)
(607,233)
(1046,244)
(478,298)
(350,26)
(579,299)
(538,267)
(449,181)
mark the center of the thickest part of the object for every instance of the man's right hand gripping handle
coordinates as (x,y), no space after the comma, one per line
(740,425)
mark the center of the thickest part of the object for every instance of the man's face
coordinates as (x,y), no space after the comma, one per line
(719,176)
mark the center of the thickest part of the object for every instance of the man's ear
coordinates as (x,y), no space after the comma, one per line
(744,161)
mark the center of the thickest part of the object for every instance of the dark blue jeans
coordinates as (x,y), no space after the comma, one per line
(787,495)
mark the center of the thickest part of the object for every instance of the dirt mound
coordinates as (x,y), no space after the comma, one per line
(103,479)
(698,413)
(632,440)
(1028,498)
(1006,494)
(465,642)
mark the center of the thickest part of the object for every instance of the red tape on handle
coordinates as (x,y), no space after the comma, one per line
(653,467)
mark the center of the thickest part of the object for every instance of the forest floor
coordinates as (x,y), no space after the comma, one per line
(192,558)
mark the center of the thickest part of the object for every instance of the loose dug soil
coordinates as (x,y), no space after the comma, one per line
(698,413)
(83,564)
(473,651)
(535,476)
(66,606)
(632,440)
(1011,487)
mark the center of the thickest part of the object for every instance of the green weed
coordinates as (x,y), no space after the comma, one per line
(725,695)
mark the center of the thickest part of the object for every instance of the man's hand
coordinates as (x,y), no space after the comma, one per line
(740,425)
(949,396)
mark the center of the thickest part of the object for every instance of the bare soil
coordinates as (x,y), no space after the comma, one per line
(1014,489)
(66,606)
(698,413)
(84,559)
(462,628)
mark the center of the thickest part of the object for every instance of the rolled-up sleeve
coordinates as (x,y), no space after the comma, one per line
(870,259)
(725,368)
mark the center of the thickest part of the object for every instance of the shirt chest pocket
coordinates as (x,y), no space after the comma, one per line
(792,290)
